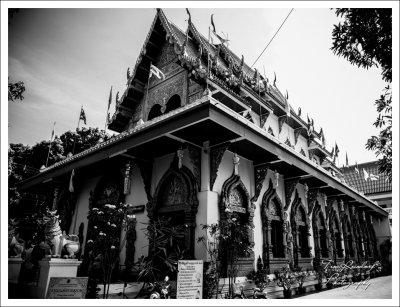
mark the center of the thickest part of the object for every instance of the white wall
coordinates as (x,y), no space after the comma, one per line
(82,208)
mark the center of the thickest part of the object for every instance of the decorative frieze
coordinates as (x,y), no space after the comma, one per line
(260,173)
(312,201)
(281,120)
(297,133)
(290,185)
(215,160)
(270,131)
(263,118)
(146,170)
(194,156)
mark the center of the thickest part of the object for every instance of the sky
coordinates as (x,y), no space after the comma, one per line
(70,57)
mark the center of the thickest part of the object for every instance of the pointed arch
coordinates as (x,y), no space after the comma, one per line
(236,202)
(336,234)
(301,230)
(321,233)
(176,197)
(274,229)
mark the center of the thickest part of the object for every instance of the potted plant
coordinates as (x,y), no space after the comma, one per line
(105,244)
(301,277)
(285,279)
(319,275)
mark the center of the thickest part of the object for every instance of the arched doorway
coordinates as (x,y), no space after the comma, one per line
(109,190)
(176,199)
(235,205)
(300,230)
(323,238)
(350,240)
(337,238)
(274,230)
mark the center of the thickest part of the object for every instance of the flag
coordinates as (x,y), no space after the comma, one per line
(82,116)
(373,177)
(71,181)
(336,150)
(53,132)
(366,175)
(356,169)
(157,72)
(347,160)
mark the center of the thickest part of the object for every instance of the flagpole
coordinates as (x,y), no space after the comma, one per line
(51,138)
(147,90)
(77,128)
(208,57)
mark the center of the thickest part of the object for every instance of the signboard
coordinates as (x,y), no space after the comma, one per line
(190,279)
(67,287)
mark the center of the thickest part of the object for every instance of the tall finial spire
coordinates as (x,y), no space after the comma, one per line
(190,17)
(212,23)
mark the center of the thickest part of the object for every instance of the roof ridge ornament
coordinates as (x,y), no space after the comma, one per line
(190,17)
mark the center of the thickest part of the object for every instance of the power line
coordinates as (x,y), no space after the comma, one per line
(272,38)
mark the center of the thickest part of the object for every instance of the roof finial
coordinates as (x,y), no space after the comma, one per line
(299,112)
(128,74)
(190,17)
(287,95)
(212,23)
(275,79)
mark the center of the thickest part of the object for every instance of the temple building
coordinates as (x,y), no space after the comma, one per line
(211,139)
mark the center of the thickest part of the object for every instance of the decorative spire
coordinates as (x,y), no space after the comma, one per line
(190,17)
(117,98)
(236,164)
(299,112)
(287,95)
(128,74)
(212,23)
(275,79)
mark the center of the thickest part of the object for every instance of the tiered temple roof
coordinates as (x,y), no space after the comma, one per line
(216,65)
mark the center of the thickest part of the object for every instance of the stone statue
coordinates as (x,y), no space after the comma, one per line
(15,244)
(57,239)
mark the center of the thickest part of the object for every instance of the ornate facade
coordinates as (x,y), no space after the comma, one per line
(213,141)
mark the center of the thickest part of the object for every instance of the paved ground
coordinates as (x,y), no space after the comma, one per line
(380,288)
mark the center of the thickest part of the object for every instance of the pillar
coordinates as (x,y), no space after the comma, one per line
(208,210)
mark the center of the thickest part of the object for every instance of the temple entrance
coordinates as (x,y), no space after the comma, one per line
(235,206)
(322,236)
(274,230)
(176,201)
(300,230)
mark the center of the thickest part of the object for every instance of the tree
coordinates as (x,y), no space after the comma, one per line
(364,38)
(15,90)
(382,144)
(25,161)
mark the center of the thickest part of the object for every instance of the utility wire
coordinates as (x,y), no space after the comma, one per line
(272,38)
